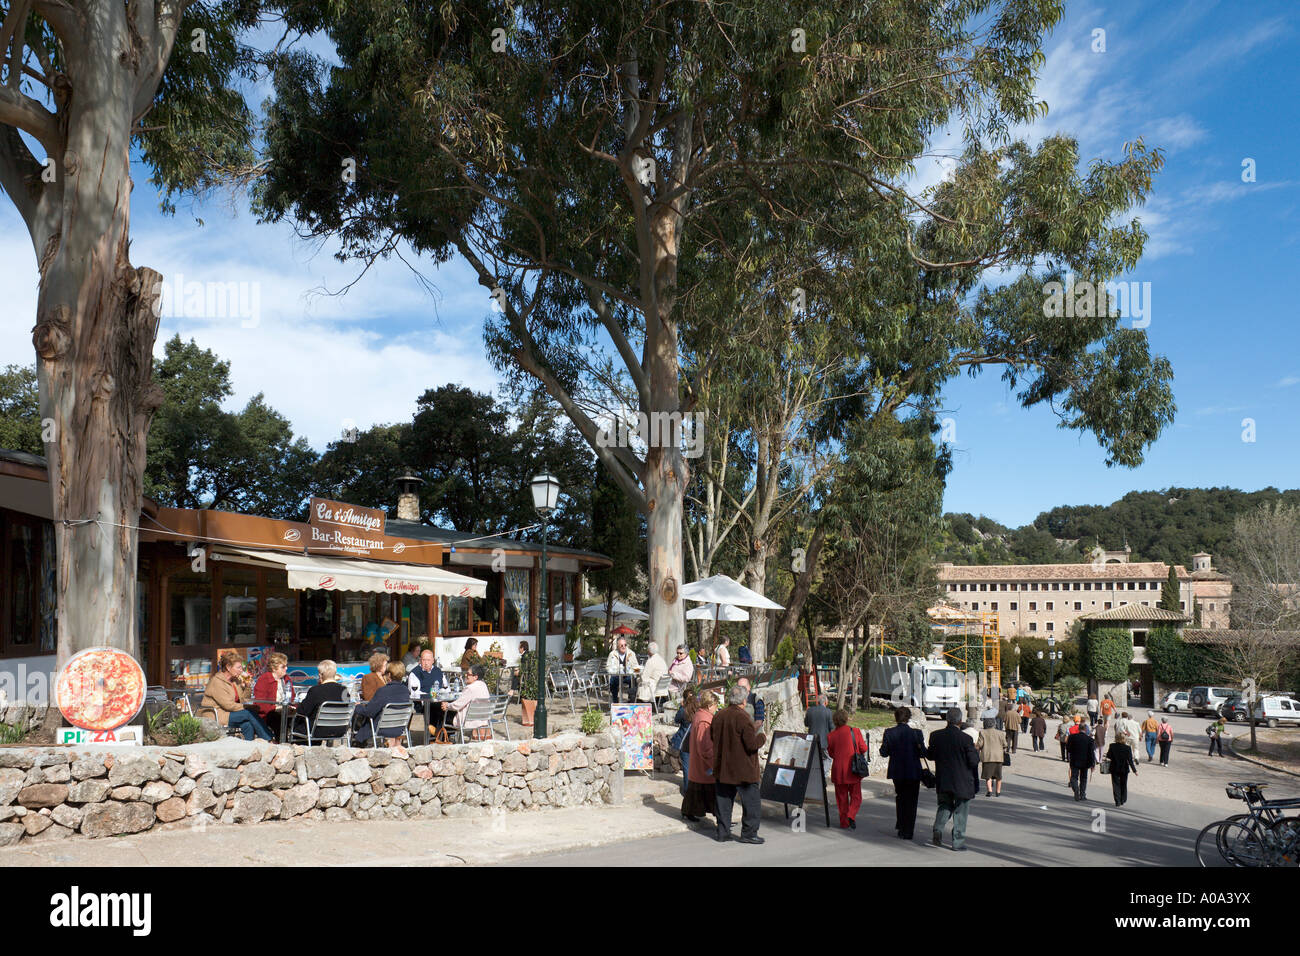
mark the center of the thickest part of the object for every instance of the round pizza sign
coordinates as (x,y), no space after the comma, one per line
(100,688)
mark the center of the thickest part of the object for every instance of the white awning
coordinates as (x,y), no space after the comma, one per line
(312,573)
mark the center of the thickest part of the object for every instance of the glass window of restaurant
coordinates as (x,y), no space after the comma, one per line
(238,605)
(26,586)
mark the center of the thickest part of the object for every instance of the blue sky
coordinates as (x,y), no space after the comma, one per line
(1212,83)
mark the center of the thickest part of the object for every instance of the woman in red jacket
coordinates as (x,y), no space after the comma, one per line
(273,684)
(842,743)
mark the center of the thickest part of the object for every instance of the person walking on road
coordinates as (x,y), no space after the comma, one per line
(1092,710)
(955,762)
(842,743)
(1011,725)
(1026,712)
(904,745)
(1165,738)
(736,742)
(991,747)
(1150,730)
(701,795)
(1083,758)
(1038,730)
(1216,731)
(1120,755)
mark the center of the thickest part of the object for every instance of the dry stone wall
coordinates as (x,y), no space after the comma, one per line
(54,793)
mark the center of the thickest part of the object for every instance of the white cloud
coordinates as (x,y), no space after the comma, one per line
(1288,381)
(1174,132)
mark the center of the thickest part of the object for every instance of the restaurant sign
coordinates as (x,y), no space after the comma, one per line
(339,528)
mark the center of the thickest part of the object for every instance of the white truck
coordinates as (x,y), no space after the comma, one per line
(915,682)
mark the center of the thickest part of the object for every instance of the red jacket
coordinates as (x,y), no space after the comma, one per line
(842,743)
(266,688)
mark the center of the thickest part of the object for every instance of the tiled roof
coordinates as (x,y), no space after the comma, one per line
(1136,570)
(1134,612)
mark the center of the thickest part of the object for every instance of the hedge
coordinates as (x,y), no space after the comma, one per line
(1107,653)
(1173,661)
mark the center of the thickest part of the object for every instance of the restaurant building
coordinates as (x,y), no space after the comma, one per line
(332,587)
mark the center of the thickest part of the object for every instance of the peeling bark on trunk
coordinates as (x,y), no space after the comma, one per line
(756,580)
(94,334)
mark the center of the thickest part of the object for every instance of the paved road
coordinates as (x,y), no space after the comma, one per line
(1035,822)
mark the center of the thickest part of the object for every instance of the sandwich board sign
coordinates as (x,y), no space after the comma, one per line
(789,770)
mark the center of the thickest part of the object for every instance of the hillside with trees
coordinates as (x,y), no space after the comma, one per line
(1169,526)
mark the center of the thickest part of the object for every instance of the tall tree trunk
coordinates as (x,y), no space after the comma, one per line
(94,334)
(756,579)
(802,586)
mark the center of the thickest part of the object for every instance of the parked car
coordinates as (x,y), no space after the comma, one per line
(1235,710)
(1175,701)
(1206,701)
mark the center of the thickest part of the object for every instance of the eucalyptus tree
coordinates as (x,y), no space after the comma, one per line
(575,154)
(83,85)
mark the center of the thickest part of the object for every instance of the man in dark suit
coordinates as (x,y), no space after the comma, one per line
(1081,752)
(736,742)
(955,762)
(904,745)
(820,721)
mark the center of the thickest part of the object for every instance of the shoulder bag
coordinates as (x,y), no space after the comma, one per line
(1104,766)
(860,766)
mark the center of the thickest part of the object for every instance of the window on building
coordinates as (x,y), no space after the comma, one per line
(1087,585)
(1033,625)
(1078,605)
(1051,626)
(984,587)
(238,605)
(1014,606)
(1077,585)
(1033,605)
(1211,605)
(1056,586)
(993,605)
(974,606)
(1051,605)
(1182,605)
(1107,607)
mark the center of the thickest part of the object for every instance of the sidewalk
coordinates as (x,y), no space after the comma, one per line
(651,808)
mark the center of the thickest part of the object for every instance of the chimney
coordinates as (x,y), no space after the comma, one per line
(408,497)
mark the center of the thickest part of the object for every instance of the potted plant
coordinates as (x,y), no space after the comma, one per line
(570,643)
(528,685)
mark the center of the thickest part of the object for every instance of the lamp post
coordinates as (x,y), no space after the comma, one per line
(1017,646)
(546,494)
(1051,665)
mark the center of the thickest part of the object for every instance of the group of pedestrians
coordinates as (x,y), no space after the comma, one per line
(719,747)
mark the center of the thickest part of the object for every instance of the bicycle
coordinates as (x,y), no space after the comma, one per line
(1263,836)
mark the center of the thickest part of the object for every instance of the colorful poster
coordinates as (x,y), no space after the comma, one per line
(635,720)
(100,689)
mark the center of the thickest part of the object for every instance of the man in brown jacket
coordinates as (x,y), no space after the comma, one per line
(736,742)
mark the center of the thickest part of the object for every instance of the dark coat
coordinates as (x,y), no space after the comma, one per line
(1038,726)
(735,746)
(904,746)
(394,692)
(819,721)
(332,692)
(1121,759)
(955,762)
(1081,751)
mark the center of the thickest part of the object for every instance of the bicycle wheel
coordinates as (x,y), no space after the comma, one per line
(1208,853)
(1245,844)
(1242,818)
(1286,841)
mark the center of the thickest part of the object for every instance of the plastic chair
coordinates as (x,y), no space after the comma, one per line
(394,721)
(333,721)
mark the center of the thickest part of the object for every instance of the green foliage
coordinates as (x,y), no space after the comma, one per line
(617,531)
(1174,661)
(20,417)
(186,729)
(592,721)
(783,656)
(772,713)
(1106,653)
(11,733)
(202,456)
(1169,592)
(1070,687)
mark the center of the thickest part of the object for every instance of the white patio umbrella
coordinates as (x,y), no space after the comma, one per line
(720,590)
(622,612)
(712,612)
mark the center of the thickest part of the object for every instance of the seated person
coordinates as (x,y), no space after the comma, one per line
(412,655)
(475,689)
(327,690)
(621,666)
(225,696)
(654,668)
(375,679)
(471,655)
(681,670)
(743,655)
(426,676)
(394,692)
(273,684)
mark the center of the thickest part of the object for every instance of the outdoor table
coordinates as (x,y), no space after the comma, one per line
(428,700)
(283,706)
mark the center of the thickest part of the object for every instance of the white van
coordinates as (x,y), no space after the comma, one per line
(1275,709)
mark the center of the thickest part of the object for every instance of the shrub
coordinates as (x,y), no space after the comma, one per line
(783,656)
(1107,653)
(10,733)
(593,721)
(1173,661)
(186,729)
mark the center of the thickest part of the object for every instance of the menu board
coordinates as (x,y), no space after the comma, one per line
(794,761)
(100,689)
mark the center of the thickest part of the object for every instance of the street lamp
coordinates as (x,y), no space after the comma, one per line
(1051,654)
(546,494)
